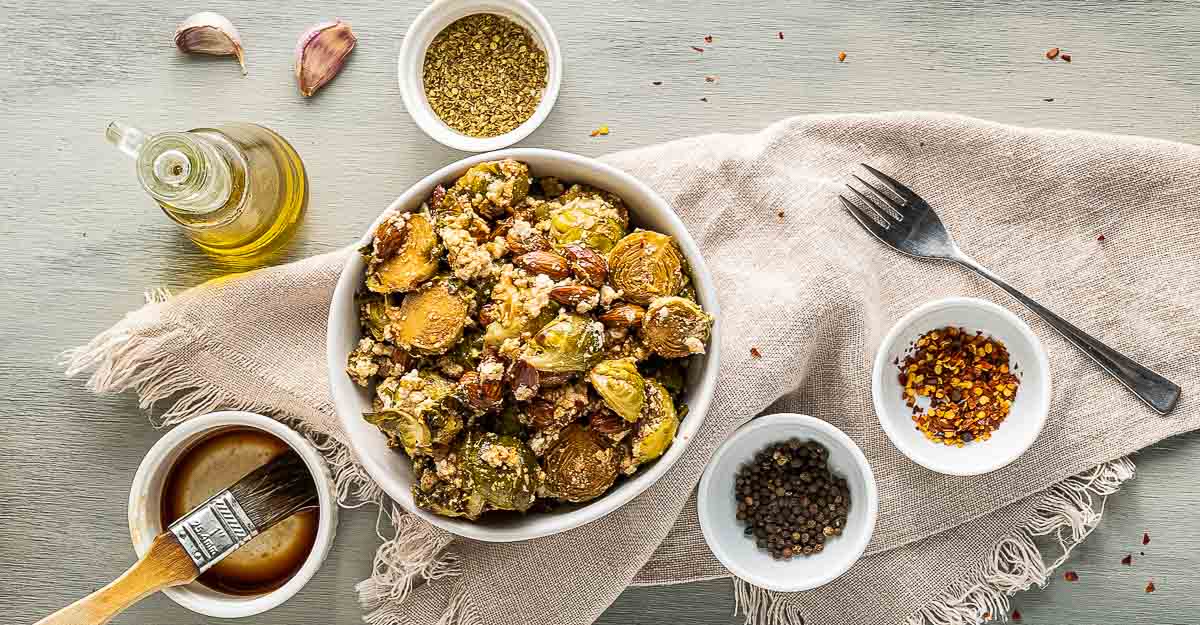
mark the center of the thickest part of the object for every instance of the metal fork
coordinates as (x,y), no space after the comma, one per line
(908,224)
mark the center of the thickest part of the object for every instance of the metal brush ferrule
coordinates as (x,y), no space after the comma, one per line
(214,530)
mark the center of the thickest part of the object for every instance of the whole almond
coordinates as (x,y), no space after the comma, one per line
(574,294)
(624,316)
(554,380)
(610,424)
(524,380)
(480,395)
(532,242)
(587,265)
(488,313)
(548,263)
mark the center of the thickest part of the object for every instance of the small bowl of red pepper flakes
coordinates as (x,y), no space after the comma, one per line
(961,386)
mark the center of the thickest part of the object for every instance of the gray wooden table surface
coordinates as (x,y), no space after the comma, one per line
(79,243)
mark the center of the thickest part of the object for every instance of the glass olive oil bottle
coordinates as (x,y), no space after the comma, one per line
(238,190)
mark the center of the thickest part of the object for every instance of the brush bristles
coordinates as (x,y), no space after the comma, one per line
(276,490)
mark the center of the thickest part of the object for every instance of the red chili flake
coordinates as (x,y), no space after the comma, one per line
(1145,538)
(1127,560)
(1071,576)
(708,39)
(1150,586)
(698,49)
(1066,57)
(1016,615)
(842,57)
(781,34)
(781,214)
(755,353)
(1052,53)
(656,83)
(986,616)
(1101,239)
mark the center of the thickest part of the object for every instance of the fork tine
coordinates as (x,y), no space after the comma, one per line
(868,224)
(896,208)
(879,210)
(900,190)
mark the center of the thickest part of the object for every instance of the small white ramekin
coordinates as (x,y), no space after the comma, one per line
(437,16)
(717,507)
(1025,419)
(145,510)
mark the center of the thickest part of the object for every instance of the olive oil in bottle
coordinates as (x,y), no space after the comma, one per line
(238,190)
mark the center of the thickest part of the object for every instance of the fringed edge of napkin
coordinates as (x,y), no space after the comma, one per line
(1069,511)
(134,355)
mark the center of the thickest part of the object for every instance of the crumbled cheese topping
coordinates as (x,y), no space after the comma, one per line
(608,295)
(491,371)
(499,455)
(588,304)
(694,345)
(468,259)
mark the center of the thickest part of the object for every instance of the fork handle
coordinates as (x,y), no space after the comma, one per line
(1158,392)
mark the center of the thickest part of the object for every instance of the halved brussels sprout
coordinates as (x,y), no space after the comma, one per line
(432,319)
(645,266)
(451,496)
(580,466)
(675,327)
(621,386)
(570,342)
(589,221)
(590,192)
(502,469)
(411,255)
(656,429)
(504,183)
(403,429)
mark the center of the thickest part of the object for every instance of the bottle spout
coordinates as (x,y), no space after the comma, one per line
(127,138)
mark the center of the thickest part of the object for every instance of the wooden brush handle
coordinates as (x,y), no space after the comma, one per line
(166,564)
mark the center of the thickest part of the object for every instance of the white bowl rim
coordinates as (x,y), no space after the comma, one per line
(235,606)
(417,40)
(699,398)
(881,363)
(857,548)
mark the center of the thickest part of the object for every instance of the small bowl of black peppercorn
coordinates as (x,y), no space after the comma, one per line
(788,502)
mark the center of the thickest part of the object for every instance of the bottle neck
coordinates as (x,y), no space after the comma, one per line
(185,173)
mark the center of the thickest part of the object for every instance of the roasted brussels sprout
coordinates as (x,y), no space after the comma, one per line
(432,319)
(444,489)
(656,428)
(570,342)
(621,386)
(675,327)
(580,466)
(502,469)
(592,193)
(404,429)
(589,221)
(646,265)
(504,184)
(422,408)
(405,254)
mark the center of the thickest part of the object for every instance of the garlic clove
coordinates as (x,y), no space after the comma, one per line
(210,33)
(320,54)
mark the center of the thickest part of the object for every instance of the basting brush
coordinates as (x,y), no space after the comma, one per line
(201,538)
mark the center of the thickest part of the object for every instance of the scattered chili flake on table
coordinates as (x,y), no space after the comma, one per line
(841,57)
(698,49)
(710,79)
(1145,538)
(1052,53)
(603,130)
(967,380)
(1150,586)
(656,83)
(1127,560)
(1066,57)
(781,34)
(1016,615)
(754,353)
(781,214)
(1071,576)
(1047,99)
(704,99)
(1100,238)
(708,39)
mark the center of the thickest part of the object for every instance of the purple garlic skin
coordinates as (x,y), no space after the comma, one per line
(210,33)
(320,54)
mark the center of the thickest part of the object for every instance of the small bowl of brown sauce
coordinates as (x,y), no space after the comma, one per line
(206,455)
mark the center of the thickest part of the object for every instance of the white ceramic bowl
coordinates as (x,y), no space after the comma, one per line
(437,16)
(724,533)
(1026,418)
(145,510)
(392,470)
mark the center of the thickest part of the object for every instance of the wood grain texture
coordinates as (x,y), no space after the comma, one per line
(79,243)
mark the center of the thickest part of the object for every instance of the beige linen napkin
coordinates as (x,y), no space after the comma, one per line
(801,282)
